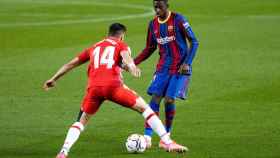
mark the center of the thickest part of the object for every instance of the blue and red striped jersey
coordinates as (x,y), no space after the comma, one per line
(170,37)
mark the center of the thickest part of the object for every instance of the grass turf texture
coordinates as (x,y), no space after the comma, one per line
(233,110)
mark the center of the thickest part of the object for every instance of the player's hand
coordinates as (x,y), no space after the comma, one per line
(136,72)
(49,84)
(124,66)
(185,69)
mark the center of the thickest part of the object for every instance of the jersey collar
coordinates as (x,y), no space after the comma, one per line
(164,21)
(113,38)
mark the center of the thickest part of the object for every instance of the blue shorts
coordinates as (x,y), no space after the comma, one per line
(167,85)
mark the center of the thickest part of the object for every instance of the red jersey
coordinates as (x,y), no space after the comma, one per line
(104,57)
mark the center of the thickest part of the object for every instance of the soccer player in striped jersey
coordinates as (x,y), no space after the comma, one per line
(105,83)
(171,33)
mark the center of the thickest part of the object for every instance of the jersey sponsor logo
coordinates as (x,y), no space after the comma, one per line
(186,25)
(166,39)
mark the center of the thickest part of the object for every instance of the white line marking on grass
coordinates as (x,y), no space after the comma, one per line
(148,12)
(69,2)
(47,15)
(65,22)
(264,17)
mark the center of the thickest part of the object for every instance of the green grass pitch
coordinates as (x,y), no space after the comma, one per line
(234,105)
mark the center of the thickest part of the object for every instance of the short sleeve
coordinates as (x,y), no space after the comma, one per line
(125,47)
(84,56)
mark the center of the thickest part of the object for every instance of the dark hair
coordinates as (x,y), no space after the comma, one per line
(116,29)
(166,1)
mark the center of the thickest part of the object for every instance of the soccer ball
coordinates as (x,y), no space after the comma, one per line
(135,143)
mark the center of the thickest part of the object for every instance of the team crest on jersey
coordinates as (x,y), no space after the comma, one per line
(170,28)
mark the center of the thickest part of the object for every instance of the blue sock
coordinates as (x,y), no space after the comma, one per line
(155,107)
(170,111)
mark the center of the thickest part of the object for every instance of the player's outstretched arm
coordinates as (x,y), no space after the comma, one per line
(62,71)
(151,46)
(128,61)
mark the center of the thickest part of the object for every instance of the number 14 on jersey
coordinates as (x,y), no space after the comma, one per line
(104,58)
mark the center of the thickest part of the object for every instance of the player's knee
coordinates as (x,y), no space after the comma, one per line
(79,126)
(84,118)
(169,100)
(156,99)
(140,105)
(148,112)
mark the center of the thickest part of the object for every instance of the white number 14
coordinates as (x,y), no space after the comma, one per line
(107,57)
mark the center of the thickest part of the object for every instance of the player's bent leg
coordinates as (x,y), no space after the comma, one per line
(153,120)
(148,131)
(176,89)
(71,137)
(155,105)
(168,100)
(156,89)
(170,111)
(84,118)
(74,133)
(128,98)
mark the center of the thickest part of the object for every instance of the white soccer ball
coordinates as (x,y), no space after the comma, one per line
(135,143)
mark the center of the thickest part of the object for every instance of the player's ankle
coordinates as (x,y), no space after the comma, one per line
(65,151)
(166,138)
(148,132)
(168,133)
(148,137)
(148,140)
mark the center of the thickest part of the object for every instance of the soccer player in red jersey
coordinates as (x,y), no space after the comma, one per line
(105,83)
